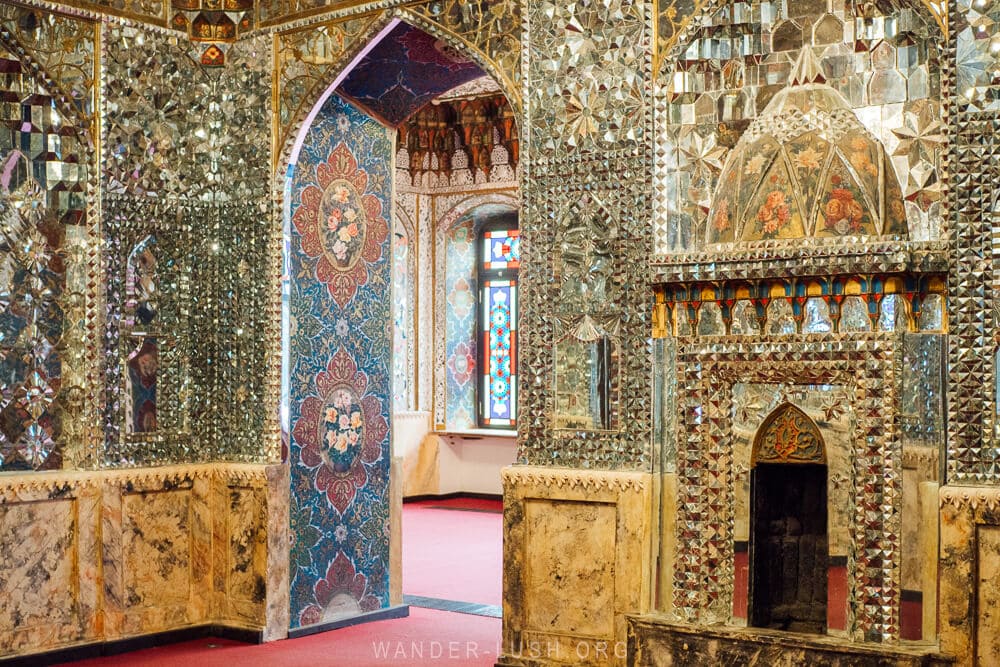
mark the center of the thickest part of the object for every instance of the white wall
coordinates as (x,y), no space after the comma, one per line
(442,463)
(472,463)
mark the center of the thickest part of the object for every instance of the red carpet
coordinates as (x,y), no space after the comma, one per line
(447,553)
(451,554)
(480,504)
(427,637)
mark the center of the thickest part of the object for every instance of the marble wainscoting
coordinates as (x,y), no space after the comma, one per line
(969,614)
(652,642)
(107,555)
(577,558)
(51,570)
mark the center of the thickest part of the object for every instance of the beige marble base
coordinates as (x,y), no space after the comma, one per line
(577,558)
(969,598)
(396,532)
(96,556)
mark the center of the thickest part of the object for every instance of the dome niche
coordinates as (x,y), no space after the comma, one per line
(807,167)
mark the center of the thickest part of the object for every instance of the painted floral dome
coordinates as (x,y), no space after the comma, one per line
(806,167)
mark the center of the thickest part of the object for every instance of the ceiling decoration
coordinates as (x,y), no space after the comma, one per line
(403,72)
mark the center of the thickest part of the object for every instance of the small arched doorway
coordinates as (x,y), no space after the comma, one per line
(789,554)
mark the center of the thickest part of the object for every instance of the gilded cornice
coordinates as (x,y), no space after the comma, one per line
(63,482)
(519,478)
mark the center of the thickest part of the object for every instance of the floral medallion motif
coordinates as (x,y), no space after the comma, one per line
(341,225)
(462,363)
(340,430)
(342,592)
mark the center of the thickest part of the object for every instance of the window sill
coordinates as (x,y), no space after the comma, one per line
(478,433)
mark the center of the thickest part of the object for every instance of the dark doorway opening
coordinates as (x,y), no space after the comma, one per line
(789,554)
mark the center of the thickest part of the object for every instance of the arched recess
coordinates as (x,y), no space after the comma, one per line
(443,348)
(705,100)
(289,141)
(789,544)
(333,200)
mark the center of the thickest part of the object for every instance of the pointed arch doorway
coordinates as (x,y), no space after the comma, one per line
(390,126)
(789,554)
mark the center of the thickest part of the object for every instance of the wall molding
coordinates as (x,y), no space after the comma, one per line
(966,499)
(572,480)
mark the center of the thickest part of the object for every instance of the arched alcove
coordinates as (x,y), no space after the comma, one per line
(719,86)
(789,557)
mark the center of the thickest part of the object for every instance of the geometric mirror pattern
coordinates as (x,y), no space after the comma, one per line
(43,213)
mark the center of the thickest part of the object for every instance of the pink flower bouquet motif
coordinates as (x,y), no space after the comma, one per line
(340,429)
(842,213)
(773,214)
(342,592)
(720,217)
(341,225)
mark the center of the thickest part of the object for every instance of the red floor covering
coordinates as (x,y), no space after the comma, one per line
(480,504)
(450,554)
(426,637)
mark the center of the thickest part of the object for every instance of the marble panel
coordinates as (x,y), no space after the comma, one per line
(654,642)
(157,532)
(276,613)
(105,555)
(156,550)
(39,576)
(570,551)
(247,551)
(577,558)
(988,598)
(969,564)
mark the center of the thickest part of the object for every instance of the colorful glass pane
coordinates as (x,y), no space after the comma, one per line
(502,249)
(500,344)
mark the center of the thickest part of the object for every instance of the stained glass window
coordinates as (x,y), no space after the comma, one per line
(501,249)
(500,259)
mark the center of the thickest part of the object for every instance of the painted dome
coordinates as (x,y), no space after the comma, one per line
(807,167)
